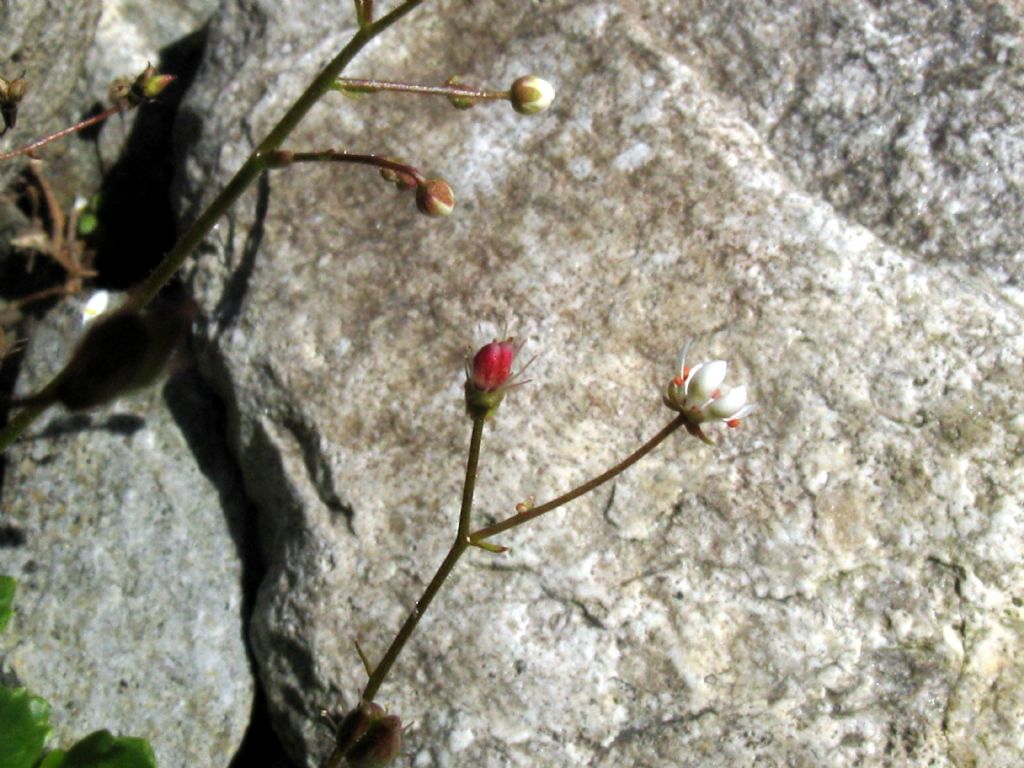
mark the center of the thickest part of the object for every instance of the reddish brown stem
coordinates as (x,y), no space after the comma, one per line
(622,466)
(283,157)
(28,149)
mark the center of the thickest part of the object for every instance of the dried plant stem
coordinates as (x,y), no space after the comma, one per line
(246,175)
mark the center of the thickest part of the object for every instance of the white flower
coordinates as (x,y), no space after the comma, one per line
(95,306)
(699,395)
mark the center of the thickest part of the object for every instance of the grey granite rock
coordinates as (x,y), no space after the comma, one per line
(69,54)
(48,43)
(903,115)
(123,528)
(838,582)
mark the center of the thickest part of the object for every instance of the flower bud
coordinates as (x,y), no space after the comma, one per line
(11,93)
(127,93)
(398,178)
(487,377)
(379,746)
(530,95)
(492,365)
(355,724)
(154,86)
(458,101)
(367,737)
(435,198)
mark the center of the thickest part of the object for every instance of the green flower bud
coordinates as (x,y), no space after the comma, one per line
(459,102)
(530,95)
(11,93)
(127,93)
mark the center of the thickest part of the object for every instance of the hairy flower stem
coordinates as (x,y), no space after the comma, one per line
(359,85)
(28,149)
(245,176)
(283,158)
(529,514)
(459,546)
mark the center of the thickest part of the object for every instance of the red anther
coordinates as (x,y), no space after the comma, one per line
(732,423)
(716,394)
(679,381)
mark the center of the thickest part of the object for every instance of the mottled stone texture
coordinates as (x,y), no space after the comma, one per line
(48,43)
(903,115)
(122,527)
(824,194)
(814,194)
(125,533)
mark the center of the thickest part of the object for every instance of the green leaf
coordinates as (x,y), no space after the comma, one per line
(103,750)
(87,224)
(7,587)
(24,727)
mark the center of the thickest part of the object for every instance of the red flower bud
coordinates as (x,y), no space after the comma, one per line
(435,198)
(492,365)
(487,377)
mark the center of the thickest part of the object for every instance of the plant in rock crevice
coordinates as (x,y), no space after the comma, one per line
(367,736)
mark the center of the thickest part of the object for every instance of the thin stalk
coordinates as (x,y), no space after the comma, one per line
(256,162)
(248,173)
(527,515)
(363,85)
(286,157)
(459,546)
(28,149)
(19,423)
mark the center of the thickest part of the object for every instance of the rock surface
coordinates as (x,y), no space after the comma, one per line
(69,54)
(839,581)
(124,531)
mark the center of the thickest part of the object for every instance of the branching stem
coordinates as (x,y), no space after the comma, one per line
(459,546)
(245,176)
(529,514)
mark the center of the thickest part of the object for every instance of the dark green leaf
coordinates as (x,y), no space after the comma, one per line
(24,727)
(7,587)
(103,750)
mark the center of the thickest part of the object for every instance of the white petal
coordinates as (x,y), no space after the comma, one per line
(729,404)
(682,358)
(95,306)
(745,411)
(704,380)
